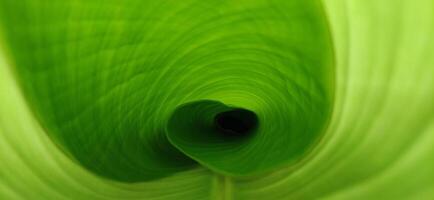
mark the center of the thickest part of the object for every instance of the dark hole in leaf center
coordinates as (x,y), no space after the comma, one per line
(236,122)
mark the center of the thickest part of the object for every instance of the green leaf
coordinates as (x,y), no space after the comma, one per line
(250,99)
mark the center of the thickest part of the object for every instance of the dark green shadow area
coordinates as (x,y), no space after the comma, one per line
(235,123)
(209,131)
(104,77)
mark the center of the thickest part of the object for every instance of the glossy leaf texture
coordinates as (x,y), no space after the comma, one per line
(138,99)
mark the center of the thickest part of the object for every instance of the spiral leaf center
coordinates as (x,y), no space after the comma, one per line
(236,122)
